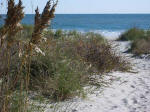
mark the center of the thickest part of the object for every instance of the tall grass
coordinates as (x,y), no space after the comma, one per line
(15,79)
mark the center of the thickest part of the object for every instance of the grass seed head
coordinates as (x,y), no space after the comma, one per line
(42,21)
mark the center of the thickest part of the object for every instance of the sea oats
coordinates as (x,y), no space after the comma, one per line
(42,21)
(12,22)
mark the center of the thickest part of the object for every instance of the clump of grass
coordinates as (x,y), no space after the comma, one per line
(70,62)
(141,46)
(16,55)
(8,31)
(132,34)
(42,21)
(58,33)
(140,40)
(59,80)
(12,22)
(59,74)
(101,56)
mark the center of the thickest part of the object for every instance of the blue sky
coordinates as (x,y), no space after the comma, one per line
(88,6)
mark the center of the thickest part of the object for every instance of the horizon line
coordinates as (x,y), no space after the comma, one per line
(98,13)
(95,13)
(91,13)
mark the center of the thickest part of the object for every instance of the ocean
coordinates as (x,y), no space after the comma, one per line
(106,24)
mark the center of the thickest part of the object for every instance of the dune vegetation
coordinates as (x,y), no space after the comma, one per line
(140,40)
(55,65)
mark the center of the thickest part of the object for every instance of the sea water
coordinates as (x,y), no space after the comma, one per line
(110,25)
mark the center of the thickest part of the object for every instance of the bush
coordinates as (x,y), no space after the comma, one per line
(140,40)
(101,57)
(70,62)
(132,34)
(57,82)
(58,33)
(59,74)
(141,46)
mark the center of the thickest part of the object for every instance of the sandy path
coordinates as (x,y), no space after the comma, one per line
(130,93)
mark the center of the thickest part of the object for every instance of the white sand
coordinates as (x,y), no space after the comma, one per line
(130,92)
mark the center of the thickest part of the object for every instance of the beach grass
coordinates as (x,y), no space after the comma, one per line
(132,34)
(70,61)
(16,54)
(66,63)
(54,65)
(140,40)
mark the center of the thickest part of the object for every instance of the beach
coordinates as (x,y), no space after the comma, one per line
(128,92)
(56,56)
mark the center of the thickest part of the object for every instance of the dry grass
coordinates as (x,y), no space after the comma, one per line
(14,80)
(102,57)
(141,46)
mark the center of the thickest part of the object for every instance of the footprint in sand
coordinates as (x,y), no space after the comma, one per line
(134,101)
(142,96)
(125,101)
(114,107)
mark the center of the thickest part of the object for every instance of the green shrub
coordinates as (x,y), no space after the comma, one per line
(69,63)
(140,40)
(132,34)
(58,33)
(59,74)
(73,33)
(101,57)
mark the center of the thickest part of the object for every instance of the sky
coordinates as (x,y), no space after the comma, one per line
(87,6)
